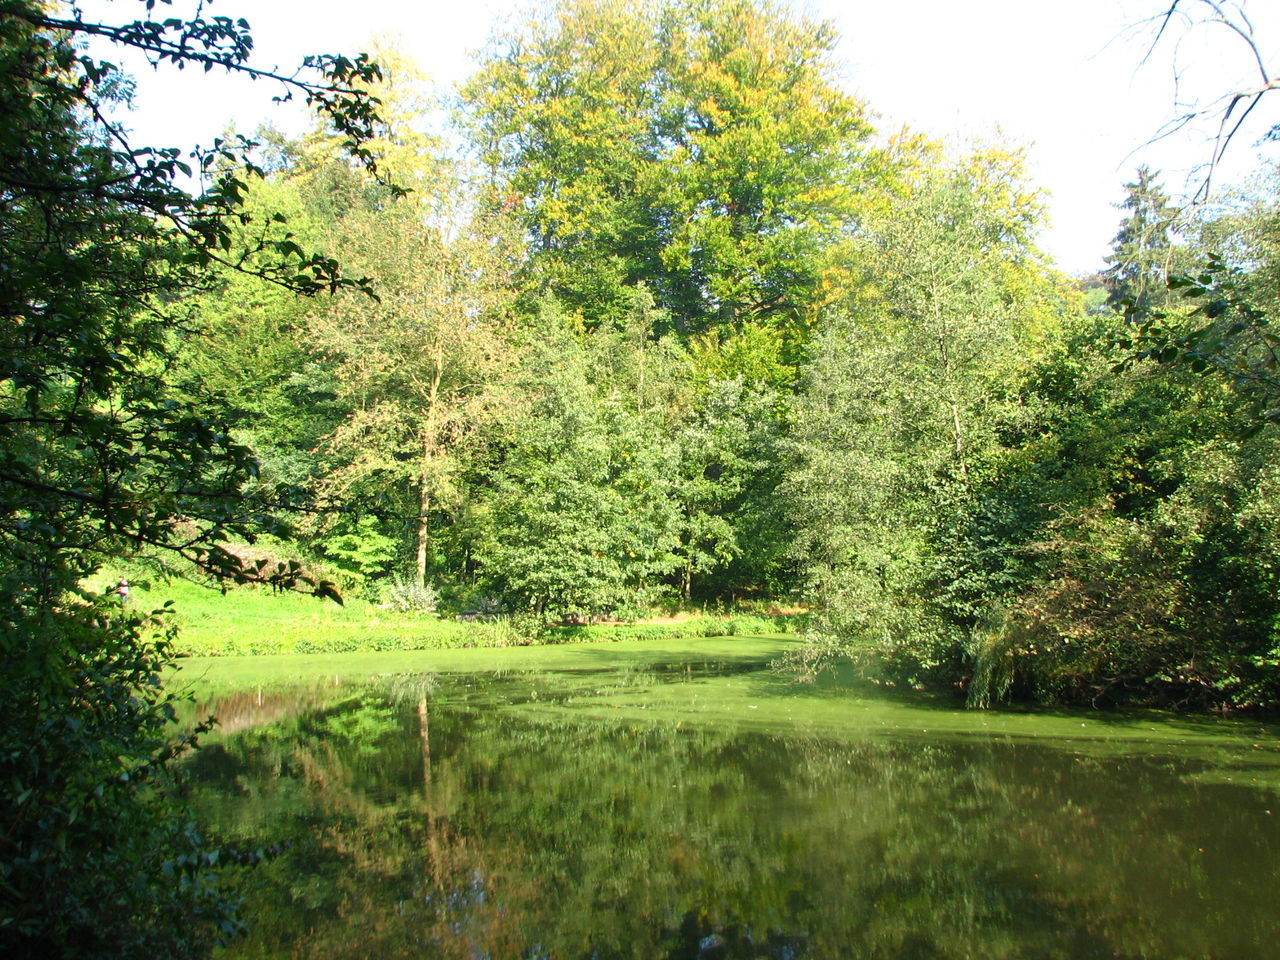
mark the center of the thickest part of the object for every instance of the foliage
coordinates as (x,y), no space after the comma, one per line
(993,496)
(904,399)
(1143,253)
(421,371)
(1150,580)
(1216,317)
(97,857)
(103,455)
(701,148)
(717,407)
(687,332)
(732,531)
(245,341)
(361,547)
(577,522)
(1221,331)
(409,596)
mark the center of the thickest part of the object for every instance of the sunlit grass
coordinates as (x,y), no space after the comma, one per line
(256,621)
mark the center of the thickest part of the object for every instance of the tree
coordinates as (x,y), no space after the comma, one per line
(1228,329)
(1216,319)
(246,340)
(578,520)
(102,457)
(902,405)
(423,369)
(1143,253)
(701,147)
(1146,542)
(731,463)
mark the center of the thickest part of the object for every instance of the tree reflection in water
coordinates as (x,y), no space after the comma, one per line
(418,826)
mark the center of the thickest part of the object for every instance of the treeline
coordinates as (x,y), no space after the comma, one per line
(680,325)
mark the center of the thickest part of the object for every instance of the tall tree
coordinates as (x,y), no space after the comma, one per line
(578,520)
(903,400)
(1144,526)
(730,465)
(701,147)
(1143,251)
(422,370)
(1230,301)
(245,339)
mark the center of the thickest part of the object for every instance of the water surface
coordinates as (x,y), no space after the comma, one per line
(678,809)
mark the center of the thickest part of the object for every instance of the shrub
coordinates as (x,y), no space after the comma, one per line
(406,595)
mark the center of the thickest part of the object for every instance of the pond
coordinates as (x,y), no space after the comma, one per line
(685,809)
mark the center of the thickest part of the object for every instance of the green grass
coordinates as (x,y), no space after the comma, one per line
(256,622)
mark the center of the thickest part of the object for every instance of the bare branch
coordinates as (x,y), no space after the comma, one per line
(1229,111)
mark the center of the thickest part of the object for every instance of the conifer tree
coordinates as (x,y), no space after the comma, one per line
(1143,249)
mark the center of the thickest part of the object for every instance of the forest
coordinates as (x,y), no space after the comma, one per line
(660,323)
(680,326)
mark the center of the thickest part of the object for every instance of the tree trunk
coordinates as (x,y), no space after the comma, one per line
(424,529)
(424,476)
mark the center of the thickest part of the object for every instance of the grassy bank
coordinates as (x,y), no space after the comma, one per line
(257,622)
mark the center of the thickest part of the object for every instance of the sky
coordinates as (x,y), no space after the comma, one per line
(1064,81)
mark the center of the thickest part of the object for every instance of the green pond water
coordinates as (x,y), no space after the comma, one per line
(674,807)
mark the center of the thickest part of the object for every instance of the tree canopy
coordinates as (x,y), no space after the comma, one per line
(701,148)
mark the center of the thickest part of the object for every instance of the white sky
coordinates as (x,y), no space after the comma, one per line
(1060,79)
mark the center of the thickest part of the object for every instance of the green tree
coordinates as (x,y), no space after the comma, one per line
(1143,252)
(578,520)
(375,402)
(422,370)
(103,457)
(904,399)
(1147,541)
(702,148)
(246,340)
(1219,317)
(732,533)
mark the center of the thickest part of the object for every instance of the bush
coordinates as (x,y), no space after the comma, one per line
(517,630)
(97,857)
(406,595)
